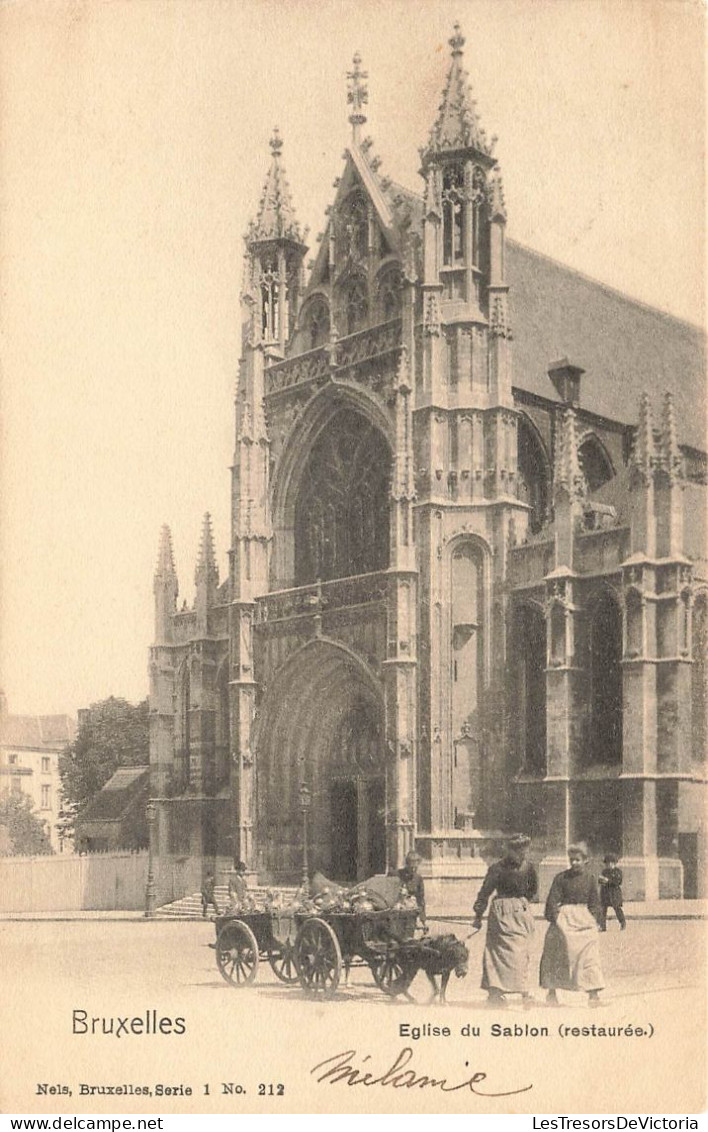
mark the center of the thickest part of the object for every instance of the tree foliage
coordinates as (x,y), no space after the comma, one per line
(23,831)
(111,733)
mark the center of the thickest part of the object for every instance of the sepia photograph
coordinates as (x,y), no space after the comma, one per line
(354,599)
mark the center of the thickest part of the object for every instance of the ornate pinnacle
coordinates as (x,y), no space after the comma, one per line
(457,42)
(276,216)
(165,557)
(644,455)
(457,126)
(357,96)
(276,142)
(671,454)
(206,570)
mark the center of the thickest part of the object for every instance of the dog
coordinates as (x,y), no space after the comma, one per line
(438,957)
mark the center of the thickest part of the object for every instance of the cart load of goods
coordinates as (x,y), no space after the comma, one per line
(377,894)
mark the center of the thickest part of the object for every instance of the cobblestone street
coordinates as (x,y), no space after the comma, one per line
(110,969)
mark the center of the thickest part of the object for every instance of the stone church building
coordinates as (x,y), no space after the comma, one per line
(467,588)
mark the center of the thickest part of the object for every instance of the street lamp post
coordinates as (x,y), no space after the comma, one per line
(305,803)
(150,814)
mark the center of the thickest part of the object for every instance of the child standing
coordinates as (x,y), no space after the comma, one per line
(208,894)
(611,892)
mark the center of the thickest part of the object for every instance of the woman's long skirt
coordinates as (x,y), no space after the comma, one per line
(571,953)
(506,964)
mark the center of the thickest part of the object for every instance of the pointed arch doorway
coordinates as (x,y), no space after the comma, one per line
(322,722)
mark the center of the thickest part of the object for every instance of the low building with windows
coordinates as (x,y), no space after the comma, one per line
(30,746)
(467,590)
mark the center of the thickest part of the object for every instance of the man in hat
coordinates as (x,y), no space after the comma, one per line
(610,880)
(413,882)
(514,882)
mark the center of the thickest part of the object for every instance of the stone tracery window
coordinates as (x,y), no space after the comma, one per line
(355,305)
(534,475)
(342,509)
(452,208)
(270,301)
(530,641)
(389,294)
(316,324)
(595,463)
(605,744)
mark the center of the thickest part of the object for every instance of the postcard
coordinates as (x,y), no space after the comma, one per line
(353,724)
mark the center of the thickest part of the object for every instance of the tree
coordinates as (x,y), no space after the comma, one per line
(23,831)
(111,733)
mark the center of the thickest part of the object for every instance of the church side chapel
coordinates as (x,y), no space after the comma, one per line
(467,583)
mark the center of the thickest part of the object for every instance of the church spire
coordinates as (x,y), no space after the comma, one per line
(276,248)
(165,556)
(207,570)
(357,97)
(457,126)
(276,219)
(165,588)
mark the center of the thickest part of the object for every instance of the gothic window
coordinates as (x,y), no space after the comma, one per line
(467,587)
(699,679)
(184,737)
(316,324)
(342,509)
(389,294)
(530,647)
(477,196)
(595,463)
(452,198)
(223,729)
(270,300)
(355,306)
(606,682)
(534,475)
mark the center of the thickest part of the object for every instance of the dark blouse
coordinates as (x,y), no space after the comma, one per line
(415,885)
(572,888)
(507,878)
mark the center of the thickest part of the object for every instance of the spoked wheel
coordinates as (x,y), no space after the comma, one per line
(237,953)
(391,975)
(318,958)
(283,963)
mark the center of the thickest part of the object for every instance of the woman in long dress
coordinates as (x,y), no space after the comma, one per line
(571,953)
(514,883)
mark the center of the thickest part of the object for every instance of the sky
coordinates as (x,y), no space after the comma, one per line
(135,147)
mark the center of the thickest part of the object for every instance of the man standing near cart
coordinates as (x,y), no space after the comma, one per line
(414,883)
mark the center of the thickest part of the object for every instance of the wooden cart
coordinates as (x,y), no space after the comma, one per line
(332,941)
(244,939)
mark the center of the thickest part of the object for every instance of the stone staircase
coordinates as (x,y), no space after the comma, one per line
(190,907)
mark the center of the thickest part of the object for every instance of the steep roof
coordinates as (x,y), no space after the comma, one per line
(117,795)
(37,732)
(624,346)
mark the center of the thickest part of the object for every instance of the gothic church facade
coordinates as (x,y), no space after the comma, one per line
(467,577)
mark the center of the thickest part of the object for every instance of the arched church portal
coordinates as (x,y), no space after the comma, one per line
(322,724)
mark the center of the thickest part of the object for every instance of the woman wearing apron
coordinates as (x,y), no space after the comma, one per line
(506,963)
(571,955)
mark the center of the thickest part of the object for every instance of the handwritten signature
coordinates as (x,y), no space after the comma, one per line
(401,1075)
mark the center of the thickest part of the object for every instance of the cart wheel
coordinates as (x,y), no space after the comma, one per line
(318,958)
(390,974)
(283,963)
(237,953)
